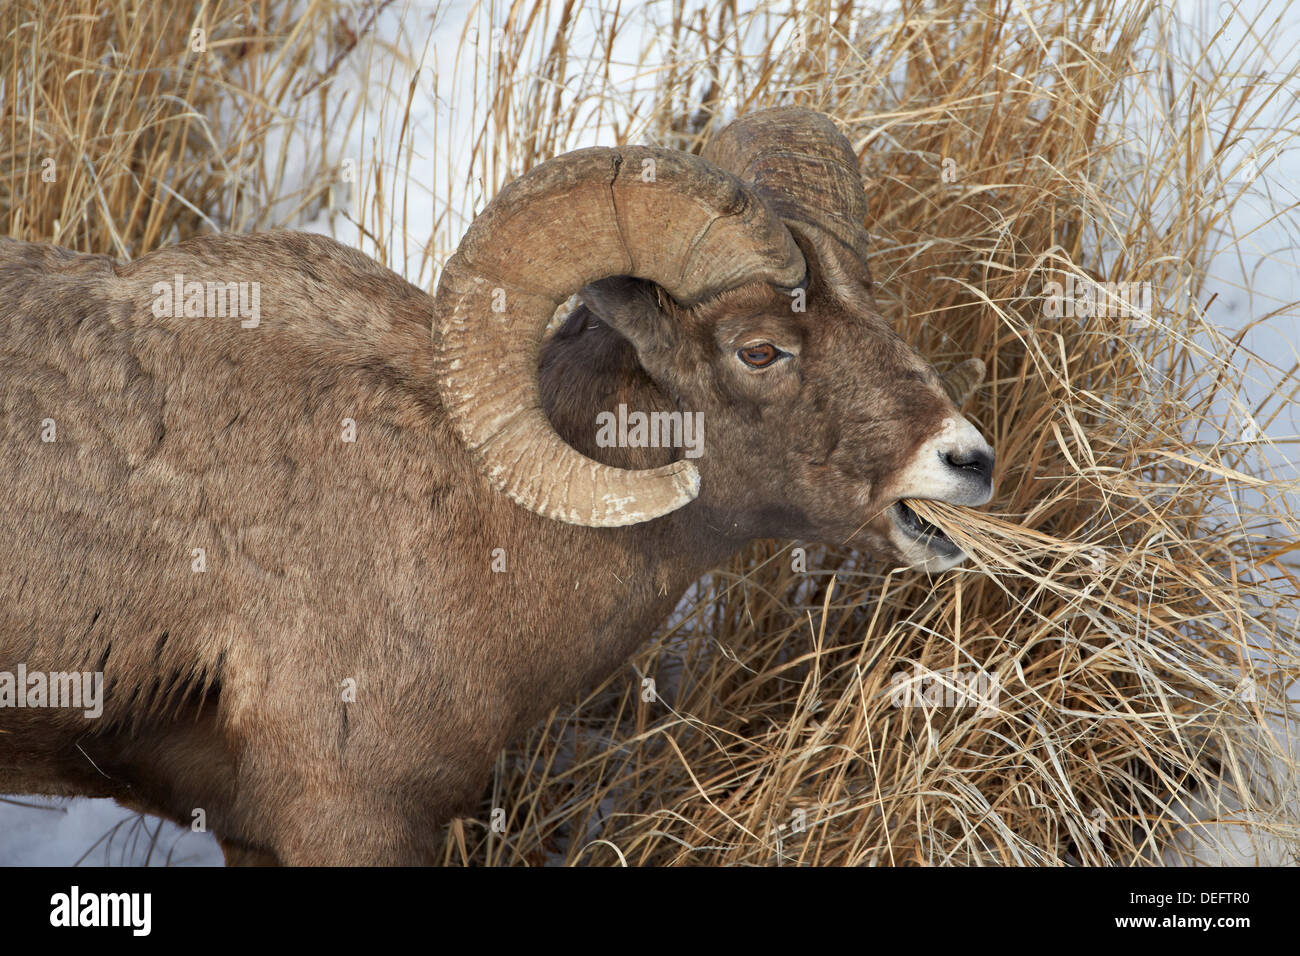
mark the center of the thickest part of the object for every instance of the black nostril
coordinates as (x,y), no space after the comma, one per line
(978,462)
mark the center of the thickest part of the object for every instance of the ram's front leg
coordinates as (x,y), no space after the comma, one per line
(239,854)
(355,829)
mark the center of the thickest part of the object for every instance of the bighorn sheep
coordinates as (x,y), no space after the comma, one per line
(312,639)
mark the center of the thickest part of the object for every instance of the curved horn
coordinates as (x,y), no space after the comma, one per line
(656,214)
(803,166)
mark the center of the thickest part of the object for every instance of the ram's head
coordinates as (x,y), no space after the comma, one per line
(739,278)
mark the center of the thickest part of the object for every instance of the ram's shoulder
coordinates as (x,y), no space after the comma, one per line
(297,275)
(210,329)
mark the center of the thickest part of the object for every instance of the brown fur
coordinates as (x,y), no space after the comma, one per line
(371,560)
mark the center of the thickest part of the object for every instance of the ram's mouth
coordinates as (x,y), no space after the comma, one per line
(918,529)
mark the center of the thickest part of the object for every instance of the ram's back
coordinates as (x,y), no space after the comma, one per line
(173,485)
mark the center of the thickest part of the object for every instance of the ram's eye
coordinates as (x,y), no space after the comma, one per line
(759,356)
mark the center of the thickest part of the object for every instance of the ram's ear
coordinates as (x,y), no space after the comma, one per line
(633,308)
(961,380)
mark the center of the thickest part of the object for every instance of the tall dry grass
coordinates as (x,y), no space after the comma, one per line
(128,124)
(1107,682)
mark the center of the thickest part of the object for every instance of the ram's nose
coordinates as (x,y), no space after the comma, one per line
(969,460)
(955,464)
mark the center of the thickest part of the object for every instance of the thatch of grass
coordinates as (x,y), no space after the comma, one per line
(1116,659)
(126,125)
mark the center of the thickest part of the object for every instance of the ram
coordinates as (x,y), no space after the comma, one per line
(328,563)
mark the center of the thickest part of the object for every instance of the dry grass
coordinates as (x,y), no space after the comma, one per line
(129,124)
(1131,618)
(1128,619)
